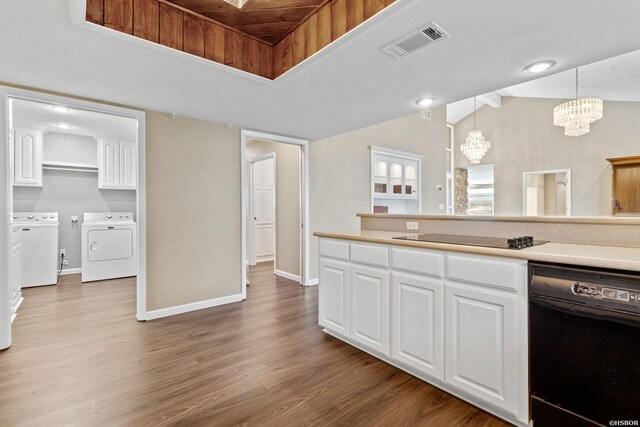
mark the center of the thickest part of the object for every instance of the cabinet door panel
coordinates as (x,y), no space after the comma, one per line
(481,347)
(417,321)
(333,309)
(370,307)
(27,157)
(108,172)
(128,165)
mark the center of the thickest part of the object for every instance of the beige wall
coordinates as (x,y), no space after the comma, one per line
(193,211)
(340,171)
(523,138)
(287,201)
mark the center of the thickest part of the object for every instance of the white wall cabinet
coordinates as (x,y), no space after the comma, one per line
(370,307)
(395,181)
(481,343)
(27,157)
(417,322)
(117,164)
(456,320)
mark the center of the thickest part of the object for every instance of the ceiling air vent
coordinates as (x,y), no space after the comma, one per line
(415,40)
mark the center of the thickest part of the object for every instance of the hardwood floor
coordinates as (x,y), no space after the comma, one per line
(80,358)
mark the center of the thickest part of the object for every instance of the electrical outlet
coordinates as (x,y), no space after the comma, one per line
(63,252)
(65,262)
(412,225)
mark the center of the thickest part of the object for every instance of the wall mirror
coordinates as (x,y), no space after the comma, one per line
(547,193)
(519,123)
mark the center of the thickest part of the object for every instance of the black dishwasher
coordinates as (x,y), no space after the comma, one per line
(584,346)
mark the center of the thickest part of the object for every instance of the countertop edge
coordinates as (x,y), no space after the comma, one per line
(630,220)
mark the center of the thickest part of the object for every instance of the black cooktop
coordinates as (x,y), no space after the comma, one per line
(487,242)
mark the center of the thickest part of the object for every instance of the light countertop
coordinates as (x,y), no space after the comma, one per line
(614,257)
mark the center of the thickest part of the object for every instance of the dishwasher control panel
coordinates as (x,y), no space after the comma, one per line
(601,292)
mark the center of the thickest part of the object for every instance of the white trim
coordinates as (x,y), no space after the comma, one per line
(193,306)
(6,202)
(544,172)
(312,282)
(286,275)
(305,237)
(396,153)
(70,271)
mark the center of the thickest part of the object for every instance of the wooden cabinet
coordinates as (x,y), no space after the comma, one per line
(370,307)
(481,344)
(27,157)
(625,186)
(333,298)
(417,323)
(117,164)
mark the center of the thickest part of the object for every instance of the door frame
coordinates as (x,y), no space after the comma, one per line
(544,172)
(252,253)
(6,194)
(304,200)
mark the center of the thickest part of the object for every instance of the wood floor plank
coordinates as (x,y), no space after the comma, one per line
(79,357)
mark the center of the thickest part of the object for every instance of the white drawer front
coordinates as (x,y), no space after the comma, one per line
(418,261)
(334,249)
(486,271)
(369,254)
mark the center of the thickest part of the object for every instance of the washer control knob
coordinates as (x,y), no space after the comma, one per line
(30,216)
(109,216)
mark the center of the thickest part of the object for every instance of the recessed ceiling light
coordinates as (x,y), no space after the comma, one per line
(539,67)
(425,102)
(64,126)
(61,109)
(237,3)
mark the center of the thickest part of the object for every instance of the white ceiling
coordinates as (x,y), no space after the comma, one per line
(612,79)
(83,122)
(350,86)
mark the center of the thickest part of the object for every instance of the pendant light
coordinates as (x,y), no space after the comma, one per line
(475,146)
(577,115)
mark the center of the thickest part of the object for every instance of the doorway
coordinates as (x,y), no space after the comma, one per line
(31,168)
(290,258)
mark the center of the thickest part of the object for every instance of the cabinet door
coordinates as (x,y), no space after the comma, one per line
(333,308)
(481,347)
(370,307)
(108,164)
(128,165)
(15,275)
(27,151)
(411,179)
(417,323)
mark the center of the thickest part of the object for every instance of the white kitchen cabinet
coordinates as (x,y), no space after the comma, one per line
(481,346)
(417,323)
(370,307)
(395,181)
(333,304)
(117,164)
(27,157)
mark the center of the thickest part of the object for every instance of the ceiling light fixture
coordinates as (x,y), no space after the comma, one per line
(61,109)
(577,115)
(64,126)
(475,146)
(425,102)
(237,3)
(539,67)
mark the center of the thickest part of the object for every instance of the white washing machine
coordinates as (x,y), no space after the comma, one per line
(39,247)
(109,246)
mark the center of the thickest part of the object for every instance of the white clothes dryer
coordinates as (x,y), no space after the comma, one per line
(109,246)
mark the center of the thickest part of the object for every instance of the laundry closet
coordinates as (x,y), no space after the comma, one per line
(74,181)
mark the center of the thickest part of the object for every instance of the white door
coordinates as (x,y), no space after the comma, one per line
(333,298)
(264,209)
(370,307)
(481,351)
(417,323)
(128,165)
(108,163)
(27,157)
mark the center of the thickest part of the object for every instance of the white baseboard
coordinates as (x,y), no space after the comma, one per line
(287,275)
(194,306)
(312,282)
(70,271)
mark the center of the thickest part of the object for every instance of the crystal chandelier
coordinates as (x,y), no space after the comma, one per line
(577,115)
(475,146)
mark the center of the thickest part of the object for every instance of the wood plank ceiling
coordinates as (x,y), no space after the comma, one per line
(173,25)
(268,20)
